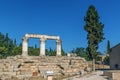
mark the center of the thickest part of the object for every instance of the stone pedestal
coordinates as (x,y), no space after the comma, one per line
(49,77)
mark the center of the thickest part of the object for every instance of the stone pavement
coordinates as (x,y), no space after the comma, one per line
(98,75)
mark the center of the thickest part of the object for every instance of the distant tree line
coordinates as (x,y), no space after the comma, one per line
(34,51)
(82,52)
(9,47)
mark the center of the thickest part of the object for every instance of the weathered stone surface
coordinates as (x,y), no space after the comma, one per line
(37,66)
(112,74)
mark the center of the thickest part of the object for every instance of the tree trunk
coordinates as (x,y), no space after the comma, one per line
(93,65)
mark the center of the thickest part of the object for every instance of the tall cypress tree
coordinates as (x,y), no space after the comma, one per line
(108,47)
(14,43)
(94,28)
(2,40)
(10,47)
(7,40)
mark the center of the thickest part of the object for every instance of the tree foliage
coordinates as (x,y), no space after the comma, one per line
(63,53)
(80,52)
(17,50)
(7,45)
(3,52)
(106,60)
(94,28)
(52,52)
(33,51)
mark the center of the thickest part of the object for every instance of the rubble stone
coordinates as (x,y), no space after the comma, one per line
(22,67)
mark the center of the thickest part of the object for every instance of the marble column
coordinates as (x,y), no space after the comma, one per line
(42,47)
(58,44)
(25,46)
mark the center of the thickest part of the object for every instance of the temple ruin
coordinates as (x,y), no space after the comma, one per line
(24,67)
(42,38)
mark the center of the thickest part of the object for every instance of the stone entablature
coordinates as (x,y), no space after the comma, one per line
(43,39)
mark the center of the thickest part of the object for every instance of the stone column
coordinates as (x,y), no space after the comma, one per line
(42,46)
(25,46)
(58,44)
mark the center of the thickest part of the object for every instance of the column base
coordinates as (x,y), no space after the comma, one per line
(58,55)
(42,55)
(24,54)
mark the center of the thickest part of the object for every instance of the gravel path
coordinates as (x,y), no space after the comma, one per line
(94,76)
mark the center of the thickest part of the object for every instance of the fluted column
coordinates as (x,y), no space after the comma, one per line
(24,46)
(58,44)
(42,47)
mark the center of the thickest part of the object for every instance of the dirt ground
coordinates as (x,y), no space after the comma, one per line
(98,75)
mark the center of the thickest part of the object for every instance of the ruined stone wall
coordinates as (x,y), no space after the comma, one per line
(37,66)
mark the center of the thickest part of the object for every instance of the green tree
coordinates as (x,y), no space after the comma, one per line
(106,60)
(17,50)
(94,28)
(52,52)
(2,39)
(20,44)
(80,52)
(46,52)
(15,44)
(108,47)
(33,51)
(63,52)
(6,41)
(3,52)
(35,46)
(10,47)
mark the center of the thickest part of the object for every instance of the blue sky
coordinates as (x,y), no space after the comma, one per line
(58,17)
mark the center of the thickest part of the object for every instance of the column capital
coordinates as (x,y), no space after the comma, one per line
(25,38)
(43,39)
(58,41)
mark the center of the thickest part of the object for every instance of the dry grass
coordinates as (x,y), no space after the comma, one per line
(99,66)
(31,78)
(37,78)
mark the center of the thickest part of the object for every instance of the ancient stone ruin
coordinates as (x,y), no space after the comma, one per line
(42,43)
(23,67)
